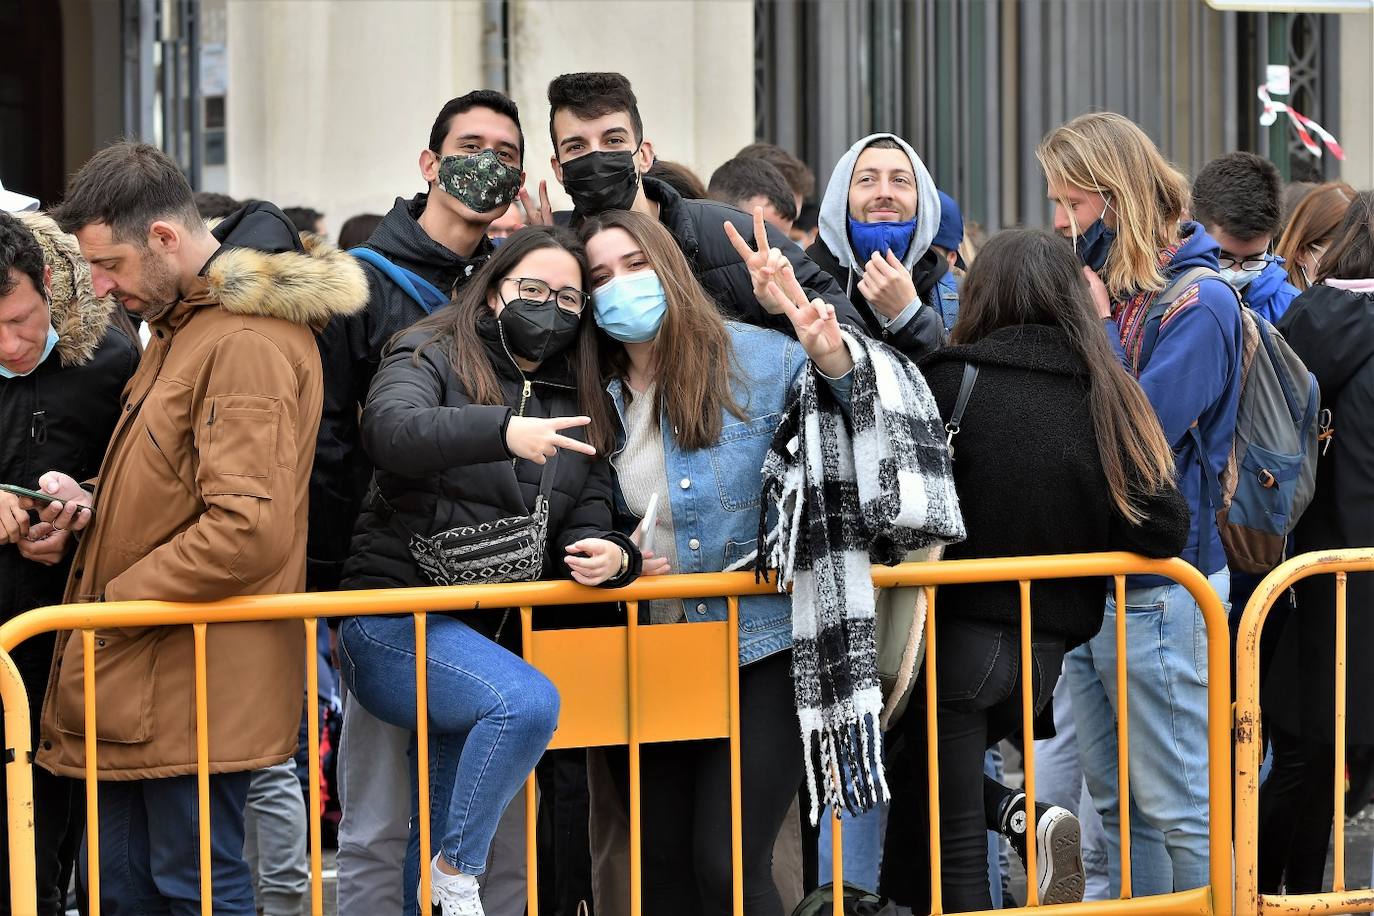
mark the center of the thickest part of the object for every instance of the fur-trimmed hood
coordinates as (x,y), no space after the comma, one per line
(79,316)
(267,268)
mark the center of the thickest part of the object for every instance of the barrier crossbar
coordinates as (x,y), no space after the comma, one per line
(623,685)
(1249,739)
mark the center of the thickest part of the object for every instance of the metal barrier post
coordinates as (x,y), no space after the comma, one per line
(207,899)
(92,780)
(23,887)
(937,881)
(422,756)
(632,675)
(736,774)
(312,712)
(1028,730)
(531,793)
(1123,743)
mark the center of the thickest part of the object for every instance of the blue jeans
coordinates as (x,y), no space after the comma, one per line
(150,847)
(1167,678)
(490,716)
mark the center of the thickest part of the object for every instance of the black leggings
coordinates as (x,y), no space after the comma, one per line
(685,800)
(1296,803)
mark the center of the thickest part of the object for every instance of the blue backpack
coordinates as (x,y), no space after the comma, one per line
(426,294)
(1271,474)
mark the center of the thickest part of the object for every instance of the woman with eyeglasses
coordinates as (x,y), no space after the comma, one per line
(1310,229)
(489,430)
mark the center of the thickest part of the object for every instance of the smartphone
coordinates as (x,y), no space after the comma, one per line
(35,495)
(649,525)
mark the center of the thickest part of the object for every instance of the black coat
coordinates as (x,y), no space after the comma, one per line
(1333,331)
(442,462)
(925,332)
(699,227)
(1030,480)
(59,418)
(350,350)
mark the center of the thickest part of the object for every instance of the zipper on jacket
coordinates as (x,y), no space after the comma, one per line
(38,427)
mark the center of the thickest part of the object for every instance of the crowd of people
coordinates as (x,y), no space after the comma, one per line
(201,399)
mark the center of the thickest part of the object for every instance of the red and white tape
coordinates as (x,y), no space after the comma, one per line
(1304,125)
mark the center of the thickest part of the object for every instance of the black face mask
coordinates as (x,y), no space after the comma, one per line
(537,331)
(601,181)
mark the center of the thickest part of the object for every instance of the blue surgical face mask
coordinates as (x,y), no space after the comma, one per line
(1094,243)
(1239,279)
(870,238)
(48,347)
(630,307)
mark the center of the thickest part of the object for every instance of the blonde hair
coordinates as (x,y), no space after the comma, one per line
(1108,154)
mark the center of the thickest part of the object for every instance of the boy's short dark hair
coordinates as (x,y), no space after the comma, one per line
(594,95)
(128,186)
(679,177)
(478,98)
(744,178)
(808,217)
(212,205)
(305,219)
(1241,193)
(798,174)
(20,251)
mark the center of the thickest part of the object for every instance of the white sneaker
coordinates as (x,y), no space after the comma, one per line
(452,895)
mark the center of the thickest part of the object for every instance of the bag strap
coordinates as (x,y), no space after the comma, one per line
(956,418)
(428,296)
(1178,285)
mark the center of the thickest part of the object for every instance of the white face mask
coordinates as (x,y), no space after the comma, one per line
(1239,279)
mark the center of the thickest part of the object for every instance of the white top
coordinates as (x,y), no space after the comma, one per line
(641,471)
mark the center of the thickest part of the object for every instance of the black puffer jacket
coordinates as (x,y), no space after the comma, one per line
(1030,480)
(925,332)
(699,227)
(350,350)
(58,418)
(442,462)
(1333,331)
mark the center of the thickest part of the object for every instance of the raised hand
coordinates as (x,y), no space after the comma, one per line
(817,329)
(537,439)
(541,215)
(764,263)
(886,284)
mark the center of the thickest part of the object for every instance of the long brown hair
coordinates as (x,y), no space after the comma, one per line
(692,360)
(1032,276)
(455,327)
(1107,153)
(1314,221)
(1351,255)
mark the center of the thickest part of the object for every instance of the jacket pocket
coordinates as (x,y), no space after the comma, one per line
(241,431)
(125,684)
(737,461)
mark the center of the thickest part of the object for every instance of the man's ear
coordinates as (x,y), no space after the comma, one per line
(164,236)
(645,157)
(47,282)
(557,167)
(429,166)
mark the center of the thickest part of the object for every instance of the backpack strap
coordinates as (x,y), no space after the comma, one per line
(425,294)
(1178,285)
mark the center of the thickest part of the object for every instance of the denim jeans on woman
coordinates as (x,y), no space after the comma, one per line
(979,681)
(1166,670)
(491,715)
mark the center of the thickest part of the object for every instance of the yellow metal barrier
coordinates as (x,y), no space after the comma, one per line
(1249,740)
(621,685)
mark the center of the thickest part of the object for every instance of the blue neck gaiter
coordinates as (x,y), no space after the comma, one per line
(868,238)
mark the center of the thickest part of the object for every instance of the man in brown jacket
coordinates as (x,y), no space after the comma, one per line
(201,496)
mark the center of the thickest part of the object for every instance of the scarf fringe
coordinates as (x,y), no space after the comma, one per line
(845,766)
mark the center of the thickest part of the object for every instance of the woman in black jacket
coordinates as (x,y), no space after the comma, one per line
(1058,451)
(1331,326)
(487,424)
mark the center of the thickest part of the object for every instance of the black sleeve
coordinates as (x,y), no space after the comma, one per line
(1353,462)
(408,429)
(1163,533)
(921,336)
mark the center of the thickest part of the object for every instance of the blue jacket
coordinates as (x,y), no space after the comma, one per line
(715,492)
(1270,292)
(1193,376)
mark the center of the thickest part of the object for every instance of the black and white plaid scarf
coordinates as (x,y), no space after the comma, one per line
(849,494)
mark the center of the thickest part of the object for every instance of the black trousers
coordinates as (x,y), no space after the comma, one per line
(1296,804)
(978,674)
(58,802)
(685,803)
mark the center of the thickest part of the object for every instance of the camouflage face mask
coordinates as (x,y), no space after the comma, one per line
(481,182)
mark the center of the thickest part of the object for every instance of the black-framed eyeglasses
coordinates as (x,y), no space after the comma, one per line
(569,298)
(1253,262)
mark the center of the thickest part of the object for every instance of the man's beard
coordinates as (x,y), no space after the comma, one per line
(162,282)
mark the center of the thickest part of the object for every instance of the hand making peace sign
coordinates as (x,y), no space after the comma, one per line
(818,330)
(764,265)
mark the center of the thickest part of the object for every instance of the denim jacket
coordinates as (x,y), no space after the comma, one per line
(716,491)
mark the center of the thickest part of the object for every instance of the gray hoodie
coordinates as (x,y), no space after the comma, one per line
(834,215)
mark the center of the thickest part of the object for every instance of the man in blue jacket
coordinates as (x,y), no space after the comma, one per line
(1237,198)
(1122,205)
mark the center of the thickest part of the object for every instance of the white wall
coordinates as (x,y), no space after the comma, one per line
(330,101)
(1357,100)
